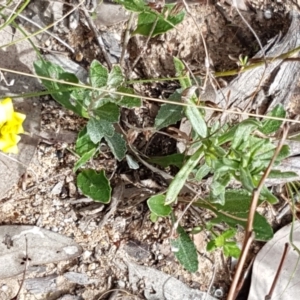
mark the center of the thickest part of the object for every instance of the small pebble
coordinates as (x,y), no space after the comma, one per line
(121,284)
(4,288)
(86,254)
(268,14)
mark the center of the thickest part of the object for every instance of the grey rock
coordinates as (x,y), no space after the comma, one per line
(164,286)
(70,297)
(79,278)
(266,264)
(109,14)
(43,246)
(41,285)
(68,65)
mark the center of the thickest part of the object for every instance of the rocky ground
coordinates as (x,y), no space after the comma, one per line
(113,249)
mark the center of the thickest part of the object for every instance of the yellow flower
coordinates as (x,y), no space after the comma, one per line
(8,143)
(10,126)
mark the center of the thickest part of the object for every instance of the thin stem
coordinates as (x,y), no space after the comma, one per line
(145,47)
(208,108)
(126,37)
(269,296)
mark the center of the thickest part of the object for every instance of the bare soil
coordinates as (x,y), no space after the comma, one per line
(47,195)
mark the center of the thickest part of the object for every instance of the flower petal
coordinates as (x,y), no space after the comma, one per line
(6,110)
(8,143)
(10,125)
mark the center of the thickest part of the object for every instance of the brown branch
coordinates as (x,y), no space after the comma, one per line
(269,296)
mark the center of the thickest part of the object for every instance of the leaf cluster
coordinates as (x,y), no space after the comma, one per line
(235,155)
(163,18)
(100,105)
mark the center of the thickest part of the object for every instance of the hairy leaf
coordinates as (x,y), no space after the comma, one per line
(181,177)
(84,143)
(84,159)
(175,159)
(146,20)
(108,112)
(187,253)
(269,125)
(98,74)
(169,114)
(117,145)
(97,129)
(157,205)
(59,91)
(127,101)
(115,77)
(94,185)
(244,129)
(134,5)
(235,211)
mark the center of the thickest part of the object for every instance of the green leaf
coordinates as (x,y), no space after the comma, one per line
(84,143)
(157,206)
(146,20)
(202,172)
(115,77)
(108,112)
(59,91)
(227,136)
(191,111)
(133,5)
(82,96)
(217,188)
(228,234)
(284,153)
(153,217)
(175,159)
(257,145)
(187,253)
(98,74)
(84,159)
(225,164)
(181,177)
(97,129)
(235,211)
(196,118)
(94,185)
(270,126)
(181,72)
(244,129)
(211,246)
(169,114)
(267,195)
(231,249)
(220,241)
(117,145)
(246,179)
(280,174)
(127,101)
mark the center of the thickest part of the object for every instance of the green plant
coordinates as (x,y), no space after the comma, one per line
(153,20)
(100,105)
(231,155)
(224,241)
